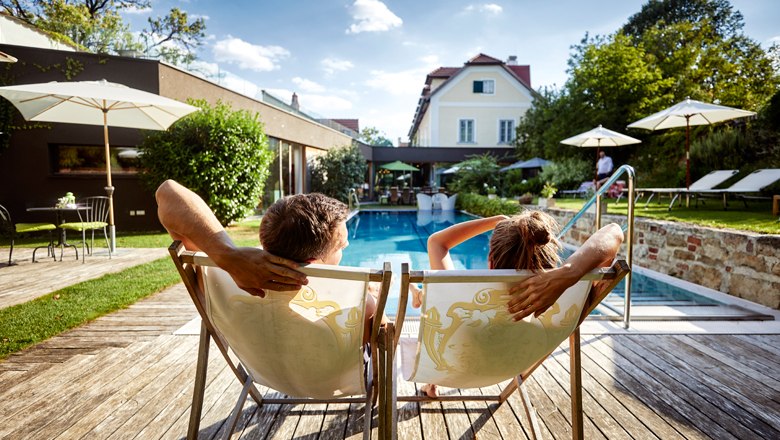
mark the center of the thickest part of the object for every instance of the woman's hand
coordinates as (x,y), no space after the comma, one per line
(535,294)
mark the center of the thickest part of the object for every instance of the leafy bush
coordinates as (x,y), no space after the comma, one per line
(476,174)
(532,185)
(567,173)
(337,171)
(219,153)
(481,205)
(722,150)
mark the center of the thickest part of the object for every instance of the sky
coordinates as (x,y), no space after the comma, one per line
(368,59)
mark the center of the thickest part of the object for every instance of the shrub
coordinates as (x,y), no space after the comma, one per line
(337,171)
(476,174)
(219,153)
(567,173)
(481,205)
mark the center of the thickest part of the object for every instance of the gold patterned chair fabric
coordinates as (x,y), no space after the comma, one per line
(306,344)
(467,338)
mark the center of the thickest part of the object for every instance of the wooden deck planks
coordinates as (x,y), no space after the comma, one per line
(695,409)
(121,377)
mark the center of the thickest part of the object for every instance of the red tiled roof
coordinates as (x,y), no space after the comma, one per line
(444,72)
(484,59)
(352,124)
(522,72)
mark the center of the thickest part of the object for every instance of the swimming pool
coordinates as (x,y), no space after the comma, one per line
(402,236)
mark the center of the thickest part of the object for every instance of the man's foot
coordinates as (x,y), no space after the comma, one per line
(429,390)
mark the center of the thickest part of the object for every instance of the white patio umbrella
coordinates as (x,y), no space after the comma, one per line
(685,114)
(5,58)
(96,103)
(600,137)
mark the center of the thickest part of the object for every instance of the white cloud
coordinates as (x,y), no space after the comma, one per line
(332,65)
(197,16)
(372,16)
(489,8)
(133,10)
(227,79)
(325,105)
(233,50)
(405,82)
(430,60)
(308,85)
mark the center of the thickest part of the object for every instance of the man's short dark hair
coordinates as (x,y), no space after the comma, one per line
(302,226)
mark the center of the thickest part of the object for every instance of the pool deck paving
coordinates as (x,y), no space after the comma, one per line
(130,374)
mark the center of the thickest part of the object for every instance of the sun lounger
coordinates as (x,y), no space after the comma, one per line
(585,188)
(708,182)
(751,184)
(307,344)
(467,338)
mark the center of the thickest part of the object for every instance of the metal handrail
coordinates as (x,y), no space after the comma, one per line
(353,196)
(628,227)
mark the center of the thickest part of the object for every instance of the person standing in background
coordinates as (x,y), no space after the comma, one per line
(604,168)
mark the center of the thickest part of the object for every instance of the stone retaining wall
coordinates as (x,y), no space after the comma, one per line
(742,264)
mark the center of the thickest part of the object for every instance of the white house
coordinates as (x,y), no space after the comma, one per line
(477,105)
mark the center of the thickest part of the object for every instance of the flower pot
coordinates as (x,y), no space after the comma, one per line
(546,203)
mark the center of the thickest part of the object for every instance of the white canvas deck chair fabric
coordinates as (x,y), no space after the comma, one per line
(750,184)
(306,344)
(467,338)
(708,182)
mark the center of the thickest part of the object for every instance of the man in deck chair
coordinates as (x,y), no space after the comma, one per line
(297,229)
(186,217)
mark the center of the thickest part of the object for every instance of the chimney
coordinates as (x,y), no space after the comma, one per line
(512,60)
(294,104)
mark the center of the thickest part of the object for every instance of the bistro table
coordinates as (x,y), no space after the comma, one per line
(59,212)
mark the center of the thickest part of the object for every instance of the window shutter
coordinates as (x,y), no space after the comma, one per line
(477,86)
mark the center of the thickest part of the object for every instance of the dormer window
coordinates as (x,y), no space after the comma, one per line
(485,86)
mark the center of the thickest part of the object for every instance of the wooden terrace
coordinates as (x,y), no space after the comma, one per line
(130,374)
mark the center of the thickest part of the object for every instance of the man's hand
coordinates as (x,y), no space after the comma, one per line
(536,294)
(254,269)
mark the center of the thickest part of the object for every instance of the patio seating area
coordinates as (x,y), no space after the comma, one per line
(130,375)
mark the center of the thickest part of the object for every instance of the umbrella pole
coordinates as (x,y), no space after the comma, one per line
(110,187)
(687,161)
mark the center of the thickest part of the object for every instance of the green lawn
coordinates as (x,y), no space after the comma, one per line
(35,321)
(756,217)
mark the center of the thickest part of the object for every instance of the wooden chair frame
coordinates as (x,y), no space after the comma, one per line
(390,336)
(186,263)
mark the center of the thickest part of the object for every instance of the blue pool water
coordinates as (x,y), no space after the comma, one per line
(402,236)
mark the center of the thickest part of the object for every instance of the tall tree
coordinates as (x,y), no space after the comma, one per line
(701,44)
(97,26)
(372,136)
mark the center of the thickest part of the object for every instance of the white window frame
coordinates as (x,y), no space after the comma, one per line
(490,81)
(510,134)
(465,139)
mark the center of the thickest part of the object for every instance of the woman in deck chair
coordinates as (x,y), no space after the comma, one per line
(525,241)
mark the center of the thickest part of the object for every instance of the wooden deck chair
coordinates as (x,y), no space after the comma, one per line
(306,344)
(467,338)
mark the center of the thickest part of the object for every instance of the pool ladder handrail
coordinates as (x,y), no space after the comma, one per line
(353,198)
(628,227)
